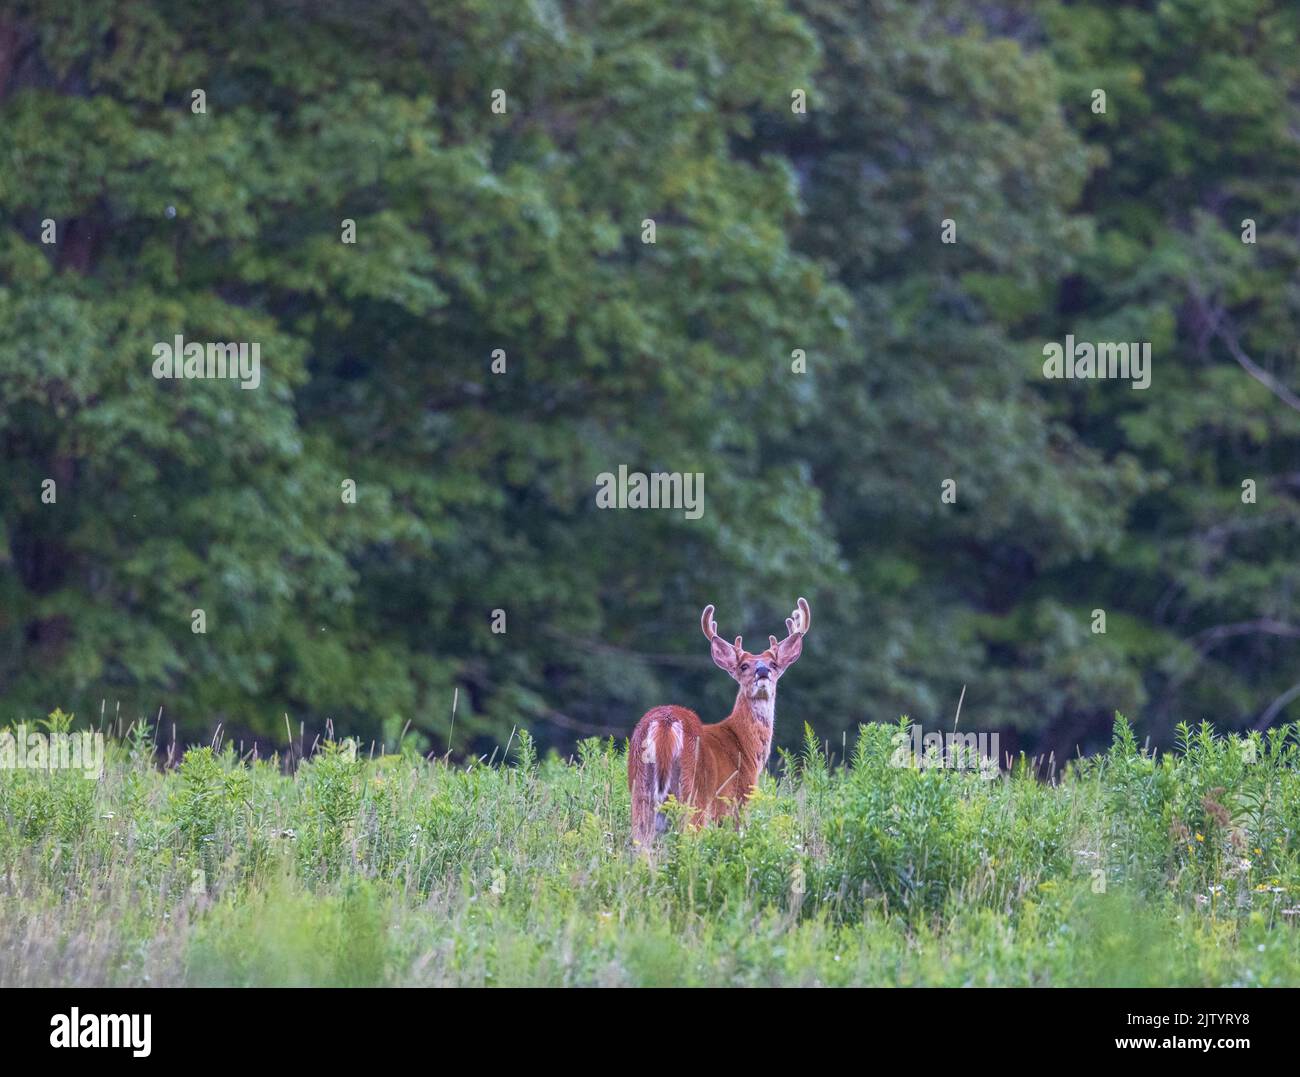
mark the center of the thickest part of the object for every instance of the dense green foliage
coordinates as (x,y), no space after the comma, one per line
(1182,869)
(522,231)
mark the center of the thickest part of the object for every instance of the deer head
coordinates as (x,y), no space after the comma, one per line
(757,674)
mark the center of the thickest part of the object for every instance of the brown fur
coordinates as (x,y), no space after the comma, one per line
(715,767)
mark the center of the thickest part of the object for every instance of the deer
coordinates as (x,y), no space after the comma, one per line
(713,768)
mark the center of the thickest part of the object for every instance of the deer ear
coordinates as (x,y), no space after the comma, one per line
(789,649)
(724,654)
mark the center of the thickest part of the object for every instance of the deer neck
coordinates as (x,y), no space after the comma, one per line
(757,715)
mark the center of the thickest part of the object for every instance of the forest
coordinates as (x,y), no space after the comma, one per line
(479,259)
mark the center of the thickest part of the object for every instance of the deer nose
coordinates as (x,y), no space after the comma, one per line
(761,671)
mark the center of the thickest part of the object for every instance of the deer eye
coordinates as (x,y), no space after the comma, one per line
(744,666)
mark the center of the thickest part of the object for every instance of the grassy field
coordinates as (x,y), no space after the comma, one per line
(339,870)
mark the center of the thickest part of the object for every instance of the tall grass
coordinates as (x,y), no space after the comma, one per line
(1129,869)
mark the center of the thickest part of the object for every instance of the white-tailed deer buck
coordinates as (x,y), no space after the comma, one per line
(712,768)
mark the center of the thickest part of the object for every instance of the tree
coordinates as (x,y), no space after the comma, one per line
(477,228)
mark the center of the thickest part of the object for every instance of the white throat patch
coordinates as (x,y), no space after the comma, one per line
(764,709)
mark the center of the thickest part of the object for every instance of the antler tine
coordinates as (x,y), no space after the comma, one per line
(707,624)
(710,627)
(798,622)
(804,616)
